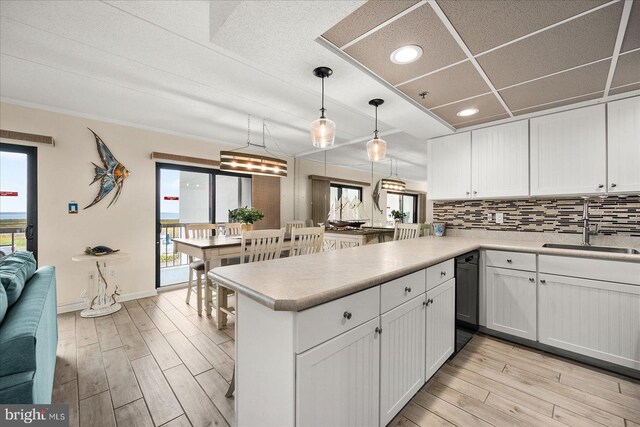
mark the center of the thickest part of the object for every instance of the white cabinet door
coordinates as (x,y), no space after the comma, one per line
(568,152)
(591,317)
(511,301)
(401,356)
(449,167)
(500,161)
(623,128)
(337,382)
(441,326)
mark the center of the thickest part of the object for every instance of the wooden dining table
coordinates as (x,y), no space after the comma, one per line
(212,250)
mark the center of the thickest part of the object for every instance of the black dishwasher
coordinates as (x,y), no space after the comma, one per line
(467,294)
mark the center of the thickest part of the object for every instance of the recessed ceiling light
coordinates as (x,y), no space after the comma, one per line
(467,112)
(406,54)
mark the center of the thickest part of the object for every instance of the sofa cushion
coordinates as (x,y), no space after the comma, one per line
(27,322)
(15,271)
(3,303)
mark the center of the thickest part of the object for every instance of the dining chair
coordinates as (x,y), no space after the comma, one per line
(197,231)
(306,240)
(406,231)
(290,225)
(233,228)
(256,246)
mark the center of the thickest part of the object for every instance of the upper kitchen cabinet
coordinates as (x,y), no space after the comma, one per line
(500,161)
(449,167)
(568,152)
(624,145)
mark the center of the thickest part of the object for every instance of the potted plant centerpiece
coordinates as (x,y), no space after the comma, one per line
(398,216)
(246,216)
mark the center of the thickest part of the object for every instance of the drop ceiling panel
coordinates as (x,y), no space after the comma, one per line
(489,23)
(623,89)
(632,35)
(365,18)
(451,84)
(558,103)
(627,69)
(581,81)
(488,106)
(583,40)
(421,27)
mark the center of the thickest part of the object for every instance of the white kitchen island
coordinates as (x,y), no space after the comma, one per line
(346,338)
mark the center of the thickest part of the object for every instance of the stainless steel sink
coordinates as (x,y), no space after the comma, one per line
(592,248)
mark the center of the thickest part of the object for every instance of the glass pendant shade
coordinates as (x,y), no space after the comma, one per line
(376,149)
(323,132)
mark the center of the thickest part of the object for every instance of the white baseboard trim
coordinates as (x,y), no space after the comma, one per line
(80,305)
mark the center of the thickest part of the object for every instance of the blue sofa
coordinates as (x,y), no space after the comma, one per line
(28,330)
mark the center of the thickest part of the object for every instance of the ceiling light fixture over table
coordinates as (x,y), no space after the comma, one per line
(254,164)
(323,130)
(467,112)
(391,184)
(377,147)
(406,54)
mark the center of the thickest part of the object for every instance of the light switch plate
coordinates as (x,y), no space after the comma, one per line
(499,217)
(489,217)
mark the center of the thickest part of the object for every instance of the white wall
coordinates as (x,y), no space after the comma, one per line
(64,174)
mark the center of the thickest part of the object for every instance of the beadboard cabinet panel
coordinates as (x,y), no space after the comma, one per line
(591,317)
(441,325)
(511,301)
(500,161)
(449,167)
(623,149)
(401,356)
(568,152)
(338,381)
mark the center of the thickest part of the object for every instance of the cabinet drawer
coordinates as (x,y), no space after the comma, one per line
(513,260)
(318,324)
(397,291)
(595,269)
(440,273)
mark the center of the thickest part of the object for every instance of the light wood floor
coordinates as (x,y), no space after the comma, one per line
(156,362)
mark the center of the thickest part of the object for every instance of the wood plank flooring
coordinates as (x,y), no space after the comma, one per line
(157,363)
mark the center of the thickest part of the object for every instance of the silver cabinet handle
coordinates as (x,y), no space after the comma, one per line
(467,193)
(600,185)
(347,315)
(509,261)
(613,185)
(443,273)
(531,279)
(378,330)
(475,192)
(543,281)
(427,302)
(407,289)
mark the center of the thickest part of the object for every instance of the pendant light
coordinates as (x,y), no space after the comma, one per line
(254,164)
(391,184)
(376,148)
(323,130)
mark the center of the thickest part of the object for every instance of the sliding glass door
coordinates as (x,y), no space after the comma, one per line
(191,195)
(18,199)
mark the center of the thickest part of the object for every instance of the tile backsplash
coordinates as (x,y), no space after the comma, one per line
(615,215)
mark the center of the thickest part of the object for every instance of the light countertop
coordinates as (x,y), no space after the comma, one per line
(297,283)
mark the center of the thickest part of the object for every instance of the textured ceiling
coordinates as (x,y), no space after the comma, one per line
(198,68)
(505,58)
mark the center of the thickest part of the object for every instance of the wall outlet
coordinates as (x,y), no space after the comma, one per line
(499,217)
(489,217)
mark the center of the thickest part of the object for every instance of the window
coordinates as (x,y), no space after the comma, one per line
(232,192)
(407,203)
(344,191)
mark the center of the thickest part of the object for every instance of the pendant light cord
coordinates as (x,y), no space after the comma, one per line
(375,132)
(322,110)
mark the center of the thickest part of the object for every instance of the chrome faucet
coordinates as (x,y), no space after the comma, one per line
(586,225)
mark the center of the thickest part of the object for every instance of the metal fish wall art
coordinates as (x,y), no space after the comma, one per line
(111,174)
(376,196)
